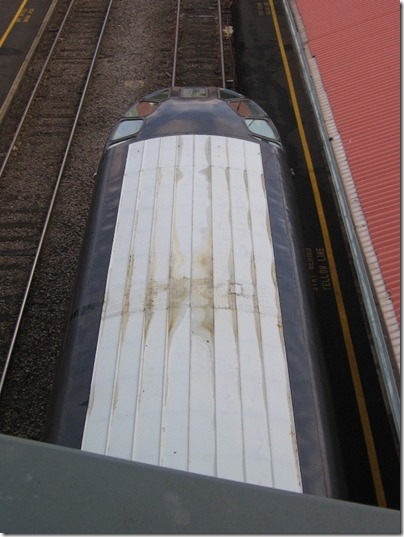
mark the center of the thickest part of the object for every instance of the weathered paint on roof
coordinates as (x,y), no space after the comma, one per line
(190,369)
(356,44)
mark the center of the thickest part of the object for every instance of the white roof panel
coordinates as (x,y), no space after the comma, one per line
(190,369)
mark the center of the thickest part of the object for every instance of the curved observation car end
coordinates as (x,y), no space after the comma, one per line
(191,342)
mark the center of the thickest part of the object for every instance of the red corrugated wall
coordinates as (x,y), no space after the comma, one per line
(357,49)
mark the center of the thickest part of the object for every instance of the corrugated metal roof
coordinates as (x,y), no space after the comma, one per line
(190,369)
(356,44)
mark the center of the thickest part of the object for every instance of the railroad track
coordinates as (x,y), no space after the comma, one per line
(37,266)
(202,49)
(32,167)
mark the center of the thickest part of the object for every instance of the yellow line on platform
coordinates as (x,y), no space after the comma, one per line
(367,431)
(12,23)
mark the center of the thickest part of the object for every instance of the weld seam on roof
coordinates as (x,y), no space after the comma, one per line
(341,176)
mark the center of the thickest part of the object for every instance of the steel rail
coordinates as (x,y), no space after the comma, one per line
(219,6)
(177,31)
(58,180)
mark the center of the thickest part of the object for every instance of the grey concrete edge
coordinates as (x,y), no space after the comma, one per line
(50,489)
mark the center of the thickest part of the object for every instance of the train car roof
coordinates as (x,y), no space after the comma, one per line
(203,190)
(190,349)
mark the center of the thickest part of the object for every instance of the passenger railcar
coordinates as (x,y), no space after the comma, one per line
(191,342)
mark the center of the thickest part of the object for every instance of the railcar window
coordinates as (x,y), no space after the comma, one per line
(160,95)
(228,94)
(126,128)
(247,108)
(262,127)
(142,109)
(191,93)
